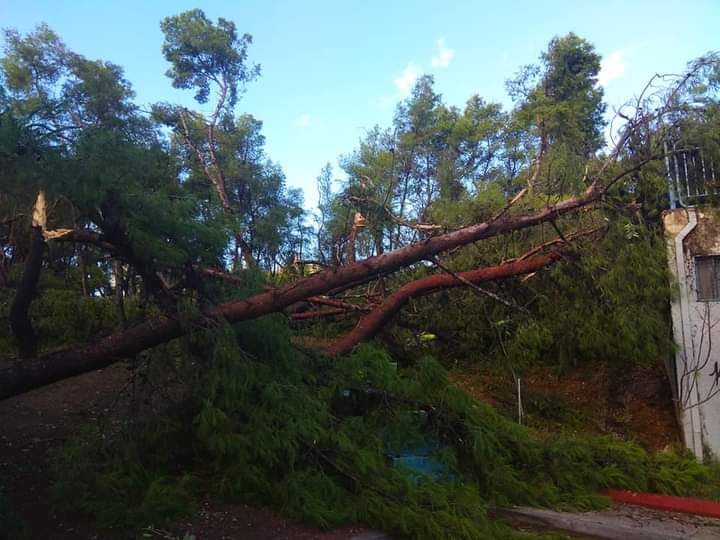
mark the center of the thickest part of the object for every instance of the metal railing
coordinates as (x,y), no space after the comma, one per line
(692,178)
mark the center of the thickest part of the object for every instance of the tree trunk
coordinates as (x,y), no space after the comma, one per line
(83,270)
(3,269)
(245,251)
(20,322)
(350,249)
(19,319)
(60,365)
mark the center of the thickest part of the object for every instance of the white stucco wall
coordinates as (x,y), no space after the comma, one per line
(696,328)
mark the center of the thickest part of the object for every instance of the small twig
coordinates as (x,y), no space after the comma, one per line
(557,241)
(476,287)
(509,205)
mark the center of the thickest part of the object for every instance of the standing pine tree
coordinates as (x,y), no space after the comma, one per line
(560,103)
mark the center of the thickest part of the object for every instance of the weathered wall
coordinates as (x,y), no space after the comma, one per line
(696,328)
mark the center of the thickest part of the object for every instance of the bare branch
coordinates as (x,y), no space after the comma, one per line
(477,287)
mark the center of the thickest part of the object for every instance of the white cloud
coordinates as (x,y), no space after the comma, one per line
(303,121)
(442,60)
(612,67)
(404,82)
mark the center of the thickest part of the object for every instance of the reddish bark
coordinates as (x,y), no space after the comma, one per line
(380,316)
(318,313)
(345,306)
(63,364)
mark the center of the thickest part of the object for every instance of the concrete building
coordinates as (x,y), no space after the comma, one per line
(692,232)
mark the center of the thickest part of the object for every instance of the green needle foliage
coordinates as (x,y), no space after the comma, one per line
(612,304)
(268,425)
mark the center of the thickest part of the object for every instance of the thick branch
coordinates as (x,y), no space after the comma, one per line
(380,316)
(154,282)
(83,236)
(219,274)
(348,306)
(302,310)
(86,236)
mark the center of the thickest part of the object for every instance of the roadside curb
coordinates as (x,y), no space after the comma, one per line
(684,505)
(623,523)
(371,535)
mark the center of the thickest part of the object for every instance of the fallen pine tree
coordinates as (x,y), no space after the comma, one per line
(319,440)
(33,373)
(160,251)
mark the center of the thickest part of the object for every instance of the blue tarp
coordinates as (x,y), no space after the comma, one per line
(421,459)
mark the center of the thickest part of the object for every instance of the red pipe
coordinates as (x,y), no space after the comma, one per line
(666,502)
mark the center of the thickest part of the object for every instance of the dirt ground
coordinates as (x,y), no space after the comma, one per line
(34,423)
(632,403)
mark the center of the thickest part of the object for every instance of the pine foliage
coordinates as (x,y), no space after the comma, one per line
(268,425)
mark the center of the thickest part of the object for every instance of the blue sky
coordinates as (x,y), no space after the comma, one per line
(332,70)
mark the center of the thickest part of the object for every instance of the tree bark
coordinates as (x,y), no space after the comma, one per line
(347,306)
(358,223)
(4,261)
(245,251)
(20,322)
(316,314)
(83,270)
(370,325)
(108,350)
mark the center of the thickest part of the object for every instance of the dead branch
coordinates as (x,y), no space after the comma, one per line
(418,226)
(559,241)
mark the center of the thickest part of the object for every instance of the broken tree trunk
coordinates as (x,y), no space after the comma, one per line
(20,322)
